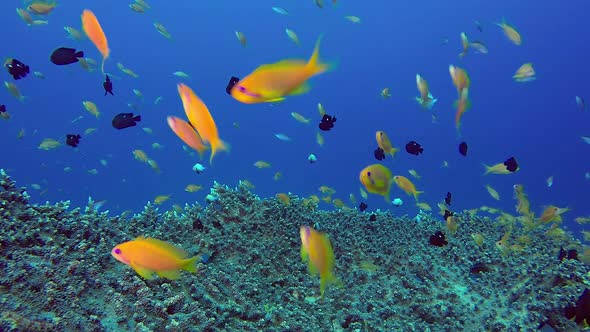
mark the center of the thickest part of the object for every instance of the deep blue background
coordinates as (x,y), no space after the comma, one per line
(537,122)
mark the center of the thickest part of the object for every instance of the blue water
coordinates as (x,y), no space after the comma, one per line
(537,122)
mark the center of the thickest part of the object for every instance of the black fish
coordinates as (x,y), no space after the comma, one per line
(232,81)
(438,239)
(73,140)
(65,56)
(448,198)
(2,108)
(125,120)
(569,254)
(327,122)
(379,154)
(463,149)
(17,69)
(373,217)
(479,268)
(414,148)
(580,312)
(511,164)
(108,86)
(363,206)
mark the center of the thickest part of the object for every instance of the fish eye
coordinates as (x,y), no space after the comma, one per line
(118,251)
(368,173)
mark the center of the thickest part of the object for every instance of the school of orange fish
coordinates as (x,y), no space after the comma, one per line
(273,83)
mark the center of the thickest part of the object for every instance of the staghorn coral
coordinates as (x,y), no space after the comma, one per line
(59,272)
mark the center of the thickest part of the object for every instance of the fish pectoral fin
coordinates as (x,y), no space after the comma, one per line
(169,274)
(275,100)
(303,88)
(313,270)
(142,271)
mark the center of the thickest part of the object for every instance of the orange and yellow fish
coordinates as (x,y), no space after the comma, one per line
(187,134)
(376,179)
(426,100)
(272,83)
(460,78)
(149,255)
(94,31)
(42,7)
(385,144)
(317,250)
(201,119)
(525,73)
(406,185)
(510,32)
(462,105)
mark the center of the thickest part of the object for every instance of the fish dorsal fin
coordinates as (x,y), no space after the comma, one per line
(177,252)
(281,64)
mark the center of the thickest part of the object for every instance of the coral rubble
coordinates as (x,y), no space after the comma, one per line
(58,274)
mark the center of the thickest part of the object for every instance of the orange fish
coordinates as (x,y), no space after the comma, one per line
(201,119)
(271,83)
(187,134)
(377,180)
(465,44)
(460,78)
(462,105)
(385,144)
(406,185)
(94,32)
(317,250)
(148,255)
(552,214)
(42,7)
(426,100)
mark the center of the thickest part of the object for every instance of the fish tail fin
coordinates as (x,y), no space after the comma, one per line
(488,169)
(314,65)
(418,192)
(190,264)
(326,279)
(79,54)
(393,151)
(219,146)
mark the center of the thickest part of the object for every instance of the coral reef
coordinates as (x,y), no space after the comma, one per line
(58,274)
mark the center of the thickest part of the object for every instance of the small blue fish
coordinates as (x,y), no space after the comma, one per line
(280,10)
(283,137)
(581,103)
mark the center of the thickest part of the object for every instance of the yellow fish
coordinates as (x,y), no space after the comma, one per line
(406,185)
(273,82)
(377,180)
(510,32)
(317,250)
(385,144)
(262,164)
(161,199)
